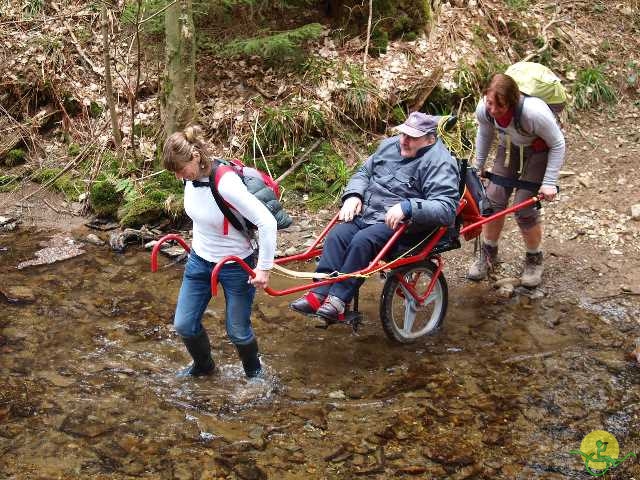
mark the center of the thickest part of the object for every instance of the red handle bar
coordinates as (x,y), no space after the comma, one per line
(156,248)
(313,251)
(504,212)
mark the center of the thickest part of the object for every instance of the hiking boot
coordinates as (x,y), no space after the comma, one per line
(533,268)
(200,350)
(332,310)
(484,263)
(307,305)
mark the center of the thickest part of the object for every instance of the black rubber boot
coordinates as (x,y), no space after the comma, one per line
(200,350)
(250,362)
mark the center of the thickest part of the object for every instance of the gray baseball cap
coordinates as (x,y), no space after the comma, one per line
(419,124)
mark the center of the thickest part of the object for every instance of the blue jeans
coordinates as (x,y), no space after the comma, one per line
(195,294)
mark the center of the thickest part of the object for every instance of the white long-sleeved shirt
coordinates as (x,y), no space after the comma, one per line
(209,239)
(536,118)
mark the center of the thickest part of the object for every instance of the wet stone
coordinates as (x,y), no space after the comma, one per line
(58,380)
(411,469)
(493,436)
(94,239)
(614,361)
(81,426)
(248,471)
(237,447)
(551,319)
(584,328)
(337,395)
(17,294)
(535,414)
(466,472)
(505,291)
(511,470)
(451,453)
(58,248)
(182,471)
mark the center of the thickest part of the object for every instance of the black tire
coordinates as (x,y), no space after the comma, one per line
(402,320)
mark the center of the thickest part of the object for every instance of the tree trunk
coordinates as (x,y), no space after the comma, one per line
(178,100)
(108,83)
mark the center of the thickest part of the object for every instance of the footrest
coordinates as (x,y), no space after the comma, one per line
(351,318)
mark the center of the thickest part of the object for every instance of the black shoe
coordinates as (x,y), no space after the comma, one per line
(307,305)
(200,350)
(250,362)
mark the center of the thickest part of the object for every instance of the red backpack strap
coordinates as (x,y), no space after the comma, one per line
(220,169)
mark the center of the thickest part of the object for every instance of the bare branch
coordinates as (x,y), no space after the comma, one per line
(299,161)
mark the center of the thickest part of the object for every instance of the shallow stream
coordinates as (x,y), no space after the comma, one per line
(505,390)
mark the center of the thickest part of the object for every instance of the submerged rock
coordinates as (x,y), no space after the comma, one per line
(17,294)
(635,354)
(58,248)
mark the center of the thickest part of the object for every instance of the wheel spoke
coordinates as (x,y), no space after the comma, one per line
(409,316)
(433,297)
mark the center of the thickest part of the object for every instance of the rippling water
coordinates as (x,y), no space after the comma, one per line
(87,359)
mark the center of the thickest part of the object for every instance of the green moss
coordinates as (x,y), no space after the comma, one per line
(410,36)
(110,162)
(70,187)
(518,4)
(148,202)
(71,105)
(8,183)
(143,210)
(105,199)
(95,110)
(17,156)
(73,149)
(397,18)
(168,181)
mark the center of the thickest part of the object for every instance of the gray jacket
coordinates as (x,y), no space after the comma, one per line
(429,181)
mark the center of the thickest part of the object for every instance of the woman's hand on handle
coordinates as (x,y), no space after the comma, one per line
(547,192)
(261,279)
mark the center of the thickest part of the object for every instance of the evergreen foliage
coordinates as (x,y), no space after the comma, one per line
(278,48)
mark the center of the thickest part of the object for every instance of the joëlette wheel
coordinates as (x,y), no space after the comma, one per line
(403,318)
